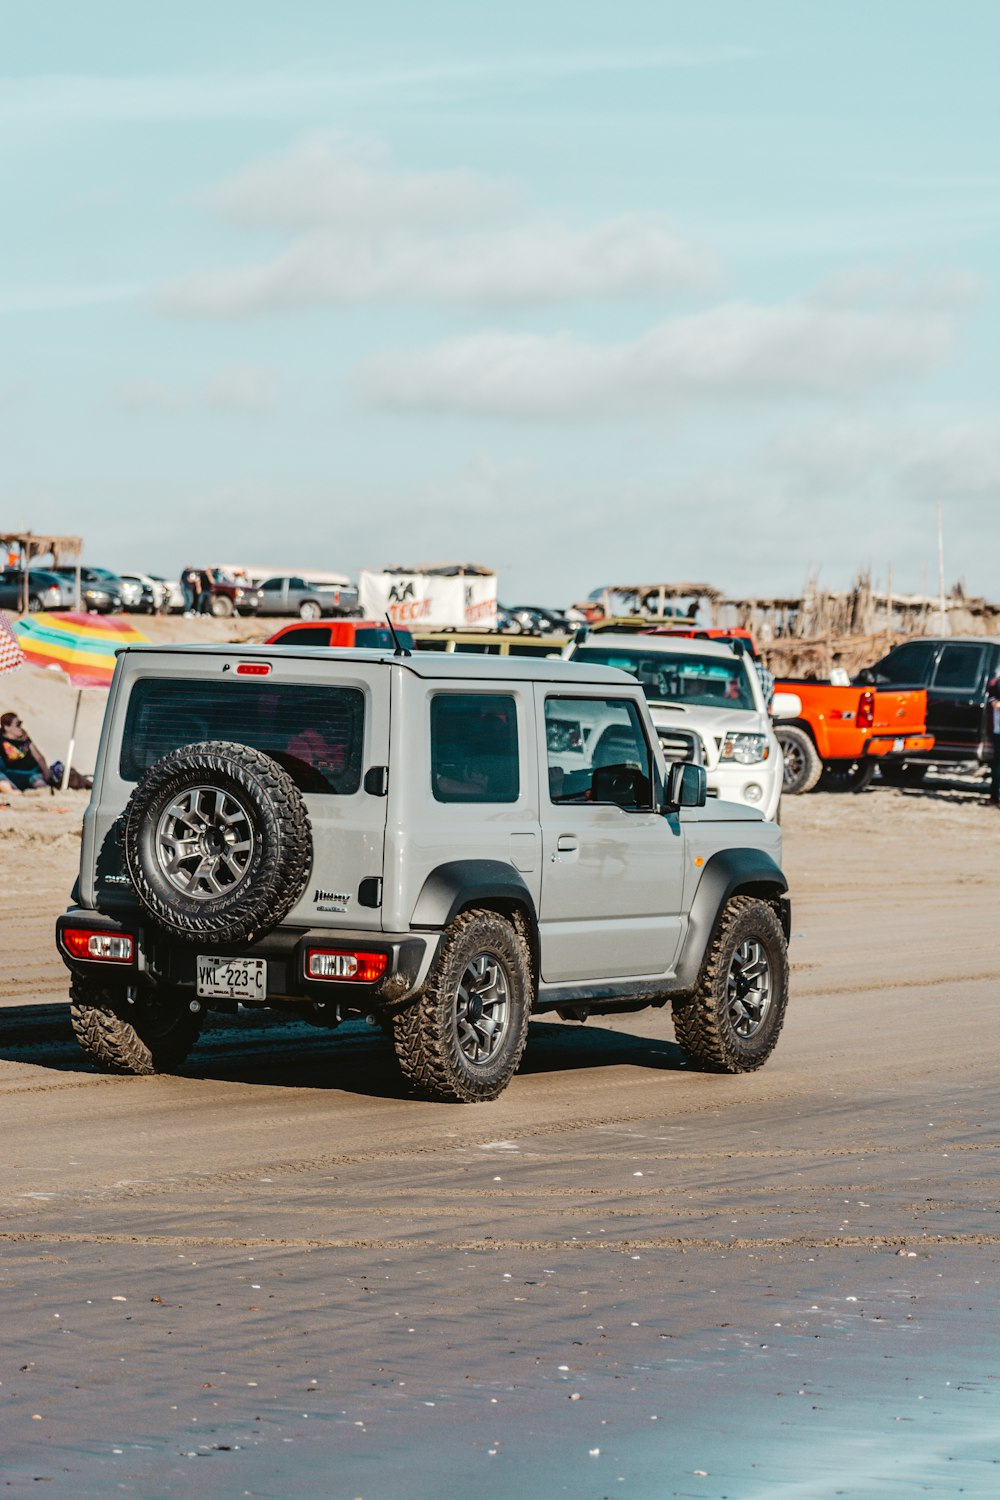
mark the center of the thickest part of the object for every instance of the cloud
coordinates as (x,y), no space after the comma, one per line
(297,92)
(239,388)
(367,230)
(328,180)
(926,458)
(525,266)
(60,297)
(738,349)
(950,289)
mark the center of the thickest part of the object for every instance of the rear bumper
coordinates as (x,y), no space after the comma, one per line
(161,961)
(899,744)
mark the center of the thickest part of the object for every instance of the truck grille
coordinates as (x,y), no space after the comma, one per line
(680,744)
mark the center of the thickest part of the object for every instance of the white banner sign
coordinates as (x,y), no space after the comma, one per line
(425,601)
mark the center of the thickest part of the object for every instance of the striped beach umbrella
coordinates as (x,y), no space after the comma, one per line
(82,646)
(11,655)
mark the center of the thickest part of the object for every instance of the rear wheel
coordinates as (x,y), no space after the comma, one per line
(732,1022)
(152,1035)
(803,766)
(309,610)
(462,1040)
(847,775)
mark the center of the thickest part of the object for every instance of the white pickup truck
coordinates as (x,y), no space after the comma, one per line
(708,691)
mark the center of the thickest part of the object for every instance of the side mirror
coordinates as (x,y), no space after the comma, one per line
(687,785)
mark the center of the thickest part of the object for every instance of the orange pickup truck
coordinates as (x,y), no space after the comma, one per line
(842,733)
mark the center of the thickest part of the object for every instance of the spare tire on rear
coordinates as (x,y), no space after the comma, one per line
(218,843)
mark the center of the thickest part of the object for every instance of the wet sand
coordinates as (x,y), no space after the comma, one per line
(278,1275)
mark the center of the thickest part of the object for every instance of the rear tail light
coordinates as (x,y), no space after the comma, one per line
(866,710)
(345,965)
(253,669)
(99,947)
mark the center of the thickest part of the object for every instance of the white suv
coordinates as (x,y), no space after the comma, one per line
(712,690)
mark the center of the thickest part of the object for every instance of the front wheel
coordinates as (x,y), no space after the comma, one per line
(222,607)
(461,1041)
(803,766)
(732,1021)
(152,1035)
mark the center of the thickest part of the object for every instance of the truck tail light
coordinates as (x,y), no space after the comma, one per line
(99,947)
(345,965)
(253,669)
(866,710)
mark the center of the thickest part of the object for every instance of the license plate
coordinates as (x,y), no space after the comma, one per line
(898,743)
(231,978)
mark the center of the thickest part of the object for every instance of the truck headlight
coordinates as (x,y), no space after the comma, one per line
(745,748)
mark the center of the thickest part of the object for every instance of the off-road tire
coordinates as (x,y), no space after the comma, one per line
(704,1023)
(427,1034)
(281,858)
(803,765)
(151,1036)
(848,775)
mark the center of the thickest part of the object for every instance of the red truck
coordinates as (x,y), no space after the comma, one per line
(842,733)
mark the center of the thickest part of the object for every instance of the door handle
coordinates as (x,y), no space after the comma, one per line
(567,843)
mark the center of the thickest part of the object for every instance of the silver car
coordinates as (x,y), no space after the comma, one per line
(289,595)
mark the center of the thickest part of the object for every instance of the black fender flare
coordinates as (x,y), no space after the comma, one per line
(730,872)
(470,882)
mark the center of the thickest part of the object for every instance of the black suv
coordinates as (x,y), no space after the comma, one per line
(955,672)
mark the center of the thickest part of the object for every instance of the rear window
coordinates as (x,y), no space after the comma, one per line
(305,635)
(316,733)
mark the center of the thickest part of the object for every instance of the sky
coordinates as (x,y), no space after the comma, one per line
(590,293)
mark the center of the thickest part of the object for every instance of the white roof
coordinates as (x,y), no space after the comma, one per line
(608,640)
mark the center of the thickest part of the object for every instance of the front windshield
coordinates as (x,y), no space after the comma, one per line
(695,681)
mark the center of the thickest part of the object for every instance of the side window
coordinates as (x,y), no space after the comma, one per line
(959,667)
(296,583)
(474,755)
(272,586)
(597,752)
(910,664)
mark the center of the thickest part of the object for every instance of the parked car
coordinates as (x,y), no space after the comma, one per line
(100,590)
(703,691)
(955,672)
(342,634)
(45,589)
(534,619)
(171,593)
(150,597)
(230,597)
(489,643)
(291,595)
(834,736)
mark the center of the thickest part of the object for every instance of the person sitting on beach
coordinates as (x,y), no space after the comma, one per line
(23,767)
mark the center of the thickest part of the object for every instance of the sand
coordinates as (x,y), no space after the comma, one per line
(277,1275)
